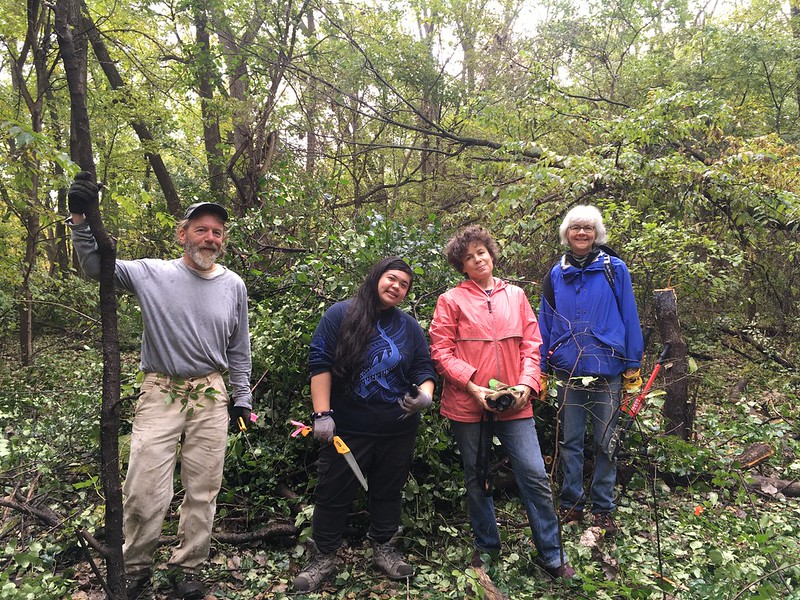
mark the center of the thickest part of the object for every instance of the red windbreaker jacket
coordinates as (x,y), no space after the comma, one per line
(478,337)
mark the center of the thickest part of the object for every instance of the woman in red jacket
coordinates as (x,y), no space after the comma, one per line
(485,329)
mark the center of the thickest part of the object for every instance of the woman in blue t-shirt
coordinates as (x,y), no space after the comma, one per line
(371,375)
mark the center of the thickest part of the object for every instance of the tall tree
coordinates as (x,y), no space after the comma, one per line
(75,71)
(35,48)
(202,61)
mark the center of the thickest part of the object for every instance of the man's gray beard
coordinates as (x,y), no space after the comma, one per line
(202,260)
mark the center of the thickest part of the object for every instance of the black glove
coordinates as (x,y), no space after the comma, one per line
(82,194)
(324,430)
(240,412)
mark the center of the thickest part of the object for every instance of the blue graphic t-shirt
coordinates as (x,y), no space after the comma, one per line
(397,356)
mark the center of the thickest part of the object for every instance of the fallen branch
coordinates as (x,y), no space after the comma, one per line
(272,530)
(769,486)
(746,337)
(754,455)
(489,588)
(49,518)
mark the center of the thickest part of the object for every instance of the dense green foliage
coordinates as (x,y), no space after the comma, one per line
(339,133)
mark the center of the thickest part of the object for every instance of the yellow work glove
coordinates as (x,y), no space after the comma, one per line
(543,387)
(632,380)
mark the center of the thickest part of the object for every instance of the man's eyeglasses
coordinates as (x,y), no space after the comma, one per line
(586,228)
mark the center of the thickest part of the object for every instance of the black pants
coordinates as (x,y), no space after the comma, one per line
(385,462)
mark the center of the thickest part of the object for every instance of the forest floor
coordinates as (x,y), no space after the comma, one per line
(692,522)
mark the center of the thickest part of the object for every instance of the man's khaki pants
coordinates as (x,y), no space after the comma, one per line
(173,413)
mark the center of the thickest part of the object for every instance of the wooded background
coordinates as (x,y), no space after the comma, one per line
(337,133)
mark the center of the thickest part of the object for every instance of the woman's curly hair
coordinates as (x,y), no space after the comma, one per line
(458,245)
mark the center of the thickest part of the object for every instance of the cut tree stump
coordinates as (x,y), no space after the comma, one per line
(678,409)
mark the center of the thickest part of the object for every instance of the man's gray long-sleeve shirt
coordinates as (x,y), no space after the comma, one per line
(192,325)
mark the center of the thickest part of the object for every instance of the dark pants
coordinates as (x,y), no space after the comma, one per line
(385,462)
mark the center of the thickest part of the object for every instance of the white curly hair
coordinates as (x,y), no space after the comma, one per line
(583,214)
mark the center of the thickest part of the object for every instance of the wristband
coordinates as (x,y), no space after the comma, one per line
(319,415)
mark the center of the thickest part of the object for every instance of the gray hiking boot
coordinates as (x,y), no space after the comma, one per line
(186,584)
(390,561)
(319,568)
(139,586)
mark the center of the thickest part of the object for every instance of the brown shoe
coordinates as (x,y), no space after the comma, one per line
(604,521)
(564,571)
(477,560)
(567,516)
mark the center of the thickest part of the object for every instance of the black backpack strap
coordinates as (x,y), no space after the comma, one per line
(548,293)
(608,271)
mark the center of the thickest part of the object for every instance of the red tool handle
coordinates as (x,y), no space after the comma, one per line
(633,408)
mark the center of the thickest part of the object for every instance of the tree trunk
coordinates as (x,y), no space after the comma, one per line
(205,85)
(312,144)
(36,45)
(678,409)
(109,413)
(794,23)
(174,205)
(31,222)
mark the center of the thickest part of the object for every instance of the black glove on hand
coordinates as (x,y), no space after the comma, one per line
(324,430)
(238,412)
(412,404)
(82,194)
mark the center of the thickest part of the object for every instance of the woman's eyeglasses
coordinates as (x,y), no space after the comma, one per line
(586,228)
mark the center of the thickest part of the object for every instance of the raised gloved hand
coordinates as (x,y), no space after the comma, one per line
(415,401)
(82,194)
(632,380)
(543,387)
(324,429)
(239,412)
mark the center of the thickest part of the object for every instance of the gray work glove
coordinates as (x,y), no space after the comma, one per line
(414,401)
(324,430)
(82,194)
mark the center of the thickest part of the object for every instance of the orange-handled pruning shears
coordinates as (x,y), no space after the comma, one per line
(341,448)
(243,425)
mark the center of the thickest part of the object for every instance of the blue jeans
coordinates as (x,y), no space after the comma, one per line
(600,403)
(522,446)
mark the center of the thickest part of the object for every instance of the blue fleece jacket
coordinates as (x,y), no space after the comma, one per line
(592,329)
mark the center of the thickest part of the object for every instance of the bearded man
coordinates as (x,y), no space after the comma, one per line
(194,313)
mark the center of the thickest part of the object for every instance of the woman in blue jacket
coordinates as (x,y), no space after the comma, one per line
(592,342)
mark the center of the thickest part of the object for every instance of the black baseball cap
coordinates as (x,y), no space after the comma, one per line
(197,208)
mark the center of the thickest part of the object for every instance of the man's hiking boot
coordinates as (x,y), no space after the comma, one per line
(319,568)
(186,584)
(604,521)
(139,586)
(568,515)
(390,561)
